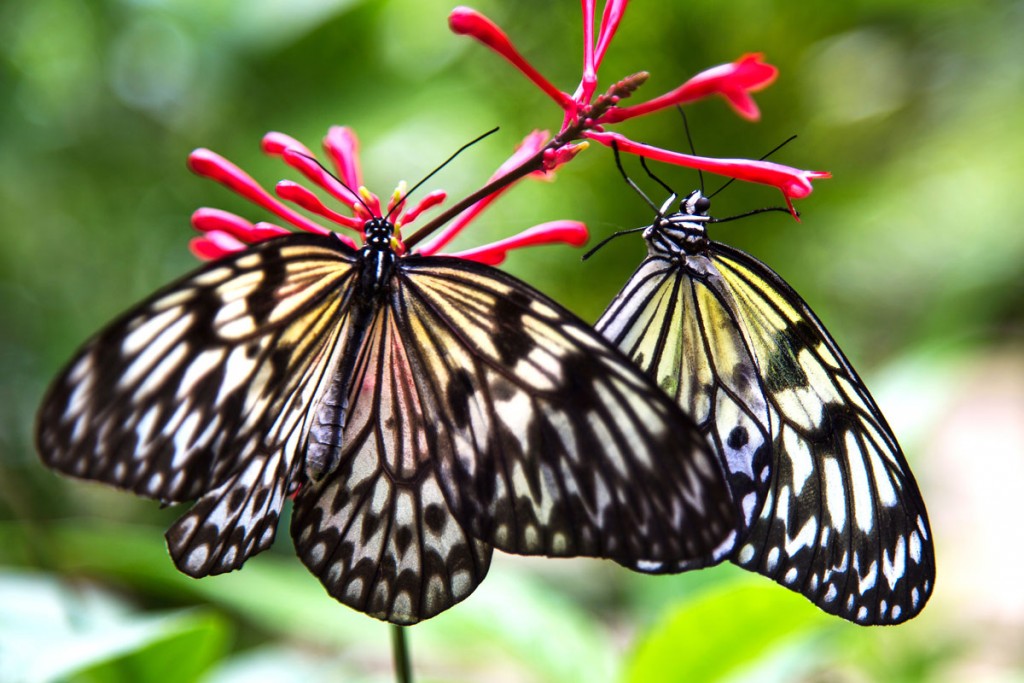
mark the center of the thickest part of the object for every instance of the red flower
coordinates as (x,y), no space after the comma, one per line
(586,116)
(225,232)
(795,184)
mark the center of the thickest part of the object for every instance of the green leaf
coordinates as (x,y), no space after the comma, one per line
(513,618)
(54,630)
(721,632)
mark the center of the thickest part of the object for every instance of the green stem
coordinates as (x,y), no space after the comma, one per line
(400,655)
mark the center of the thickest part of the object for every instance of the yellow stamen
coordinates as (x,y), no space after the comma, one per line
(400,191)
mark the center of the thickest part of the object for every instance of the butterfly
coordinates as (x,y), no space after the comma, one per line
(829,506)
(419,410)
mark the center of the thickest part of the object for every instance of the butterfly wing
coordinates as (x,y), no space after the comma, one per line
(549,440)
(844,523)
(202,391)
(378,531)
(485,414)
(677,326)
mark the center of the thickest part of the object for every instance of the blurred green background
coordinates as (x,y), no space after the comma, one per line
(911,255)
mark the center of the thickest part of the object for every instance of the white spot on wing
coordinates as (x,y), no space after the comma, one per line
(804,538)
(894,569)
(835,494)
(800,459)
(200,367)
(142,336)
(154,351)
(869,580)
(746,554)
(863,505)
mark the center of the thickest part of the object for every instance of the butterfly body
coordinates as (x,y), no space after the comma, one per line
(828,504)
(419,410)
(377,260)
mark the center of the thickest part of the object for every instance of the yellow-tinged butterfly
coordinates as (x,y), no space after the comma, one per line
(829,506)
(421,410)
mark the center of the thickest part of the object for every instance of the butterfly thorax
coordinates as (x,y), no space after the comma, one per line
(377,259)
(681,235)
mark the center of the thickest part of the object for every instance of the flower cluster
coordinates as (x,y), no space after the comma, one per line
(225,232)
(586,116)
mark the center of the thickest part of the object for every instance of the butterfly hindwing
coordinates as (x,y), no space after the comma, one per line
(378,531)
(678,330)
(844,523)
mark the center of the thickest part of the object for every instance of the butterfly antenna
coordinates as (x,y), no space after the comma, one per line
(650,174)
(689,140)
(762,158)
(766,209)
(609,238)
(629,181)
(340,181)
(447,161)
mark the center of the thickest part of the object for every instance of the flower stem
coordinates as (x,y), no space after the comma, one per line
(400,655)
(623,88)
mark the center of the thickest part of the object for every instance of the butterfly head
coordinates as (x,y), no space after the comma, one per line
(682,233)
(695,204)
(379,234)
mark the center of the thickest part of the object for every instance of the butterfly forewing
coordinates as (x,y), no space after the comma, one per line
(845,523)
(840,519)
(551,442)
(196,392)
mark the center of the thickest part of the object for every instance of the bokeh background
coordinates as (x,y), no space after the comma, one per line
(911,255)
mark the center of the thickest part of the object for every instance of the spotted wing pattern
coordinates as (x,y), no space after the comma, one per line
(201,392)
(378,531)
(836,513)
(497,415)
(844,523)
(677,327)
(459,411)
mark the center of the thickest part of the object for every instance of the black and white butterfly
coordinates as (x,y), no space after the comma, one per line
(420,411)
(829,506)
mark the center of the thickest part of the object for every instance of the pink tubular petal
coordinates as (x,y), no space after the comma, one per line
(299,157)
(431,200)
(554,232)
(311,168)
(342,146)
(275,144)
(206,219)
(457,225)
(371,200)
(560,156)
(613,11)
(263,225)
(397,201)
(469,22)
(215,220)
(794,183)
(531,144)
(211,165)
(214,245)
(734,81)
(588,83)
(297,194)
